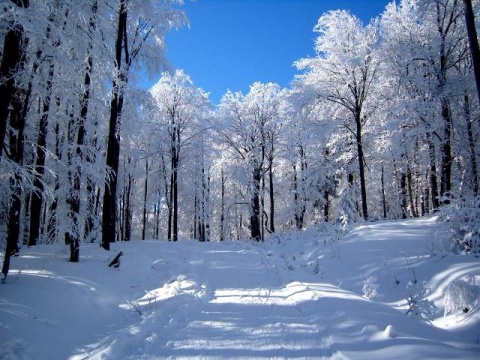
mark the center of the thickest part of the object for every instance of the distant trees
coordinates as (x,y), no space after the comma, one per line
(180,109)
(250,127)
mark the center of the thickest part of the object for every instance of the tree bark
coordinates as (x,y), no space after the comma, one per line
(471,144)
(17,125)
(361,164)
(255,224)
(128,209)
(433,173)
(410,192)
(36,202)
(272,197)
(222,209)
(446,178)
(403,194)
(109,215)
(384,198)
(145,194)
(11,56)
(473,40)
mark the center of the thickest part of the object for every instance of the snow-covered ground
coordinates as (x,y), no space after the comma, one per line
(312,294)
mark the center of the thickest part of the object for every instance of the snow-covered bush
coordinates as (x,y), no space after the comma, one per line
(347,212)
(463,219)
(370,288)
(461,296)
(418,304)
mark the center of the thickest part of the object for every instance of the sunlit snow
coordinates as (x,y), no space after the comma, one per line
(304,295)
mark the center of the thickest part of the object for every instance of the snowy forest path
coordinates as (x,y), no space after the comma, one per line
(243,308)
(298,296)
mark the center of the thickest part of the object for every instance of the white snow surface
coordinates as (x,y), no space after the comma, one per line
(314,294)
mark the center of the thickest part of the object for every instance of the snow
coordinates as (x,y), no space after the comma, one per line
(319,293)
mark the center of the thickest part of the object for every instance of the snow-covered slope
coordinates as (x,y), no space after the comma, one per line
(313,294)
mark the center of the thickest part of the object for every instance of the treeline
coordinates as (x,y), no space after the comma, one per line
(382,123)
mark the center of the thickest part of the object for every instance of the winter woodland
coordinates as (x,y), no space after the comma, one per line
(383,123)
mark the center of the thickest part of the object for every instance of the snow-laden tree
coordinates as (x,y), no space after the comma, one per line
(61,78)
(140,25)
(12,113)
(307,162)
(180,110)
(343,74)
(425,47)
(249,125)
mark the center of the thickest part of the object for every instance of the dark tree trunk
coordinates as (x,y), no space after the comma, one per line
(255,223)
(170,209)
(473,40)
(444,25)
(17,125)
(471,144)
(299,213)
(36,202)
(326,193)
(222,210)
(272,198)
(433,174)
(128,209)
(109,216)
(326,206)
(361,164)
(446,178)
(11,56)
(403,194)
(174,167)
(145,194)
(384,197)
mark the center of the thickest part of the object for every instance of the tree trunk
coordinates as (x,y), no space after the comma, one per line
(272,198)
(473,40)
(222,209)
(72,237)
(471,144)
(403,194)
(174,186)
(145,194)
(427,194)
(361,165)
(128,209)
(326,194)
(11,56)
(446,178)
(255,225)
(109,221)
(410,192)
(17,125)
(296,198)
(433,174)
(384,197)
(37,194)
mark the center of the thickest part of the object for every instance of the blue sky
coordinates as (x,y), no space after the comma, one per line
(233,43)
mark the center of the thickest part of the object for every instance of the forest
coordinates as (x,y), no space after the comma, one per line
(383,123)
